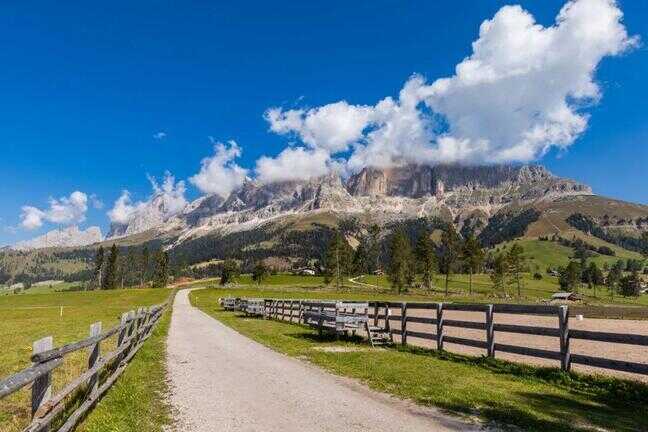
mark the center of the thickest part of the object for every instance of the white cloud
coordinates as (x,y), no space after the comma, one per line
(123,210)
(65,210)
(159,135)
(331,127)
(522,91)
(293,163)
(167,199)
(171,193)
(219,174)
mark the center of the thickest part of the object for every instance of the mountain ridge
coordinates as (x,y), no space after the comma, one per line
(388,194)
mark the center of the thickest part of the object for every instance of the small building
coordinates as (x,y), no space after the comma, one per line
(566,296)
(304,272)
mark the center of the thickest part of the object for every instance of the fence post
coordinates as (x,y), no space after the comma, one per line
(320,320)
(42,387)
(122,333)
(376,310)
(563,321)
(300,317)
(292,312)
(387,313)
(404,323)
(490,332)
(94,351)
(440,326)
(147,320)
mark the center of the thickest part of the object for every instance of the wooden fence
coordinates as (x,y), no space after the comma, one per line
(293,311)
(135,327)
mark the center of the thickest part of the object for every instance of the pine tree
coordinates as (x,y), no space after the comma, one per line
(110,277)
(361,258)
(229,272)
(161,277)
(260,272)
(516,259)
(99,262)
(401,271)
(570,276)
(130,267)
(144,265)
(426,258)
(338,259)
(473,257)
(449,253)
(498,276)
(594,276)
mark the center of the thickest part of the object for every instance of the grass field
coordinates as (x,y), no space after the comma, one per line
(137,402)
(545,254)
(43,289)
(533,399)
(533,291)
(26,318)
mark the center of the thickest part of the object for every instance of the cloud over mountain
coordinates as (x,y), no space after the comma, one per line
(522,91)
(219,174)
(170,195)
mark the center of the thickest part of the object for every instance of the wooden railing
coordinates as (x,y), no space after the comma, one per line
(135,327)
(293,310)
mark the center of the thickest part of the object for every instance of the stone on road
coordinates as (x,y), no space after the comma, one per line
(223,381)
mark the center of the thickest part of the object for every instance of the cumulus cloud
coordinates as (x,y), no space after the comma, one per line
(124,210)
(523,90)
(293,163)
(65,210)
(167,199)
(219,174)
(331,127)
(159,135)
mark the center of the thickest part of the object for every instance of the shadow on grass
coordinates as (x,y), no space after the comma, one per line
(604,390)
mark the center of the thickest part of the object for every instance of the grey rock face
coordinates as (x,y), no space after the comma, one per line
(382,194)
(65,237)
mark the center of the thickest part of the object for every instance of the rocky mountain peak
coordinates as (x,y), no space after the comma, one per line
(63,237)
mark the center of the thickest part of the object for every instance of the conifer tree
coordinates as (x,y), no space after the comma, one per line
(99,262)
(426,258)
(338,259)
(449,253)
(401,271)
(110,277)
(161,277)
(229,272)
(516,259)
(498,276)
(473,256)
(144,265)
(260,272)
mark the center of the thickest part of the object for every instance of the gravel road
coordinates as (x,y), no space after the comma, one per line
(223,381)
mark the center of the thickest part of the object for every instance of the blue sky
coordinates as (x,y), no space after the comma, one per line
(84,89)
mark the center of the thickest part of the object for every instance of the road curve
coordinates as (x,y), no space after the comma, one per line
(223,381)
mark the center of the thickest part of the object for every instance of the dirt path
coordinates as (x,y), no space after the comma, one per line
(223,381)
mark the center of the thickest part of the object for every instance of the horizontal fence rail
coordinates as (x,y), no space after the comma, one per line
(299,311)
(134,328)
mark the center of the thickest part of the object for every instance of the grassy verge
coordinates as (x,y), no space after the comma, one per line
(137,402)
(531,398)
(65,316)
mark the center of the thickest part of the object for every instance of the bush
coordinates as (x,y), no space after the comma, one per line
(537,276)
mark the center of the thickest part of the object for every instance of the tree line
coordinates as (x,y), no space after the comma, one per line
(114,269)
(415,260)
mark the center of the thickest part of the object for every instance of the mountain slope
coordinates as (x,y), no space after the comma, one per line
(71,236)
(452,192)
